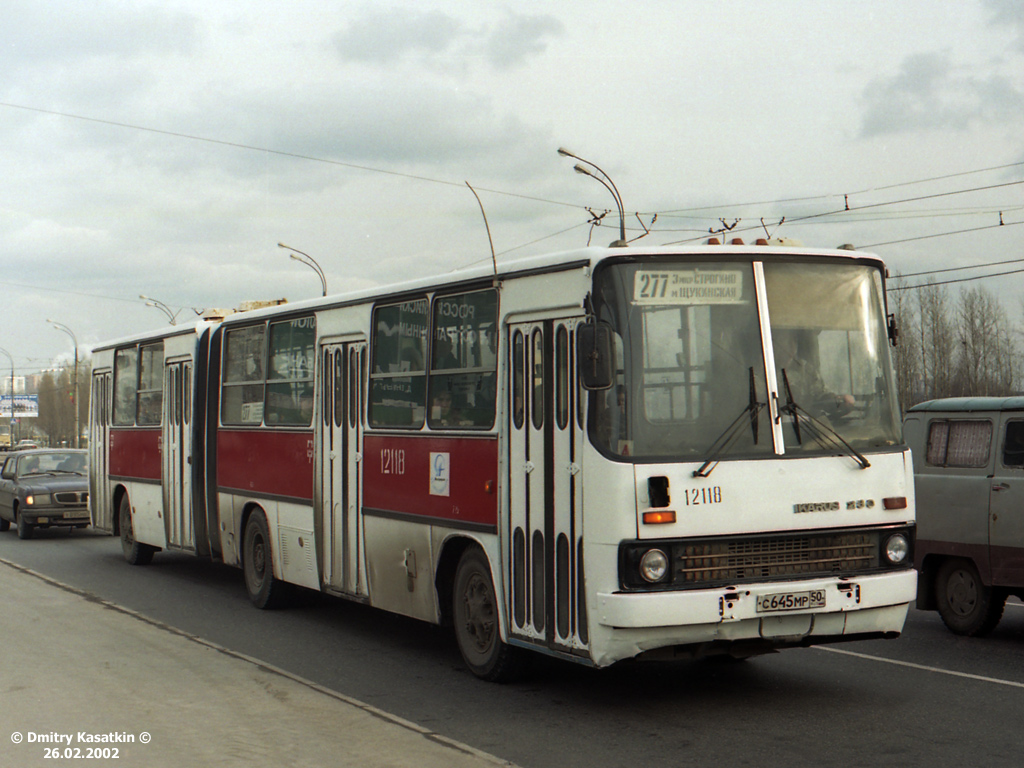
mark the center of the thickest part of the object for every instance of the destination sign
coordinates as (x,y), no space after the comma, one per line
(689,286)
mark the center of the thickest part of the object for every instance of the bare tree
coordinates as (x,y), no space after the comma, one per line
(985,363)
(938,341)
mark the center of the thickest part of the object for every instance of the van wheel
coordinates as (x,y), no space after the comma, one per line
(134,552)
(475,615)
(965,604)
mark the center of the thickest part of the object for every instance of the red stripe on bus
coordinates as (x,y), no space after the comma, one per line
(406,475)
(135,453)
(266,462)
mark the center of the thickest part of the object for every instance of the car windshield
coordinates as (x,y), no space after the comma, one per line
(696,370)
(52,463)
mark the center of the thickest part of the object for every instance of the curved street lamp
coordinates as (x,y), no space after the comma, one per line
(606,180)
(151,302)
(309,261)
(74,339)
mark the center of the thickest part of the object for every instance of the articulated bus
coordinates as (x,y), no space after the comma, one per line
(600,455)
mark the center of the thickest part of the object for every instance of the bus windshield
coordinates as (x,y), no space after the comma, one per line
(700,354)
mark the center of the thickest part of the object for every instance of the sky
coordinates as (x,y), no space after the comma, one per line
(165,148)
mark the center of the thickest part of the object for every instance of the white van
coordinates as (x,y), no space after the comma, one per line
(969,472)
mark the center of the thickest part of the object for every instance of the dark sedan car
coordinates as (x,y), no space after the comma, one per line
(43,488)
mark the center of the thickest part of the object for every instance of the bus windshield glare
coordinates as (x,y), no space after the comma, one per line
(699,354)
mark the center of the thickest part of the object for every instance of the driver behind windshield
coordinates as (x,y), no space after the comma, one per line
(796,366)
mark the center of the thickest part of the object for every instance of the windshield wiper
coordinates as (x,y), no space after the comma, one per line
(729,436)
(819,430)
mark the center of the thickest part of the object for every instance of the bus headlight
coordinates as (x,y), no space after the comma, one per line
(897,548)
(653,565)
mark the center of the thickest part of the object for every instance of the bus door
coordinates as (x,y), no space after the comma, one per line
(341,447)
(99,439)
(544,542)
(176,461)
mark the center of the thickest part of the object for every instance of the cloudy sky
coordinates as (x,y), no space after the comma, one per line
(165,147)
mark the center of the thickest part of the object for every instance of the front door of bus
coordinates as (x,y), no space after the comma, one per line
(99,435)
(176,462)
(544,541)
(341,447)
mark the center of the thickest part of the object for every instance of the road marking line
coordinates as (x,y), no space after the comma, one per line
(923,667)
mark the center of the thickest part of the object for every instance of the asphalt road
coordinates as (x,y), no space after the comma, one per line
(927,699)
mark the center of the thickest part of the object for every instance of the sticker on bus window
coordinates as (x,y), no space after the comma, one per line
(688,286)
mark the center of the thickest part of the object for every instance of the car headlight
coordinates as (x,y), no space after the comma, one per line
(37,500)
(653,565)
(897,548)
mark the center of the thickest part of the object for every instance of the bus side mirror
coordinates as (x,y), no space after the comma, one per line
(596,356)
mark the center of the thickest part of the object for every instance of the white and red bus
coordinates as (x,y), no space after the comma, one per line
(604,454)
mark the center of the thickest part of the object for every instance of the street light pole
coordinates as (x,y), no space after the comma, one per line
(606,180)
(10,427)
(151,302)
(309,261)
(74,339)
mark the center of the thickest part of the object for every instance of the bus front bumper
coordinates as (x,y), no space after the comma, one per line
(632,623)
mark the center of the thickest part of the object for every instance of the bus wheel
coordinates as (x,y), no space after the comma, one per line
(134,552)
(258,565)
(965,604)
(475,614)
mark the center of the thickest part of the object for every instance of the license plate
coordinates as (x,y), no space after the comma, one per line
(791,601)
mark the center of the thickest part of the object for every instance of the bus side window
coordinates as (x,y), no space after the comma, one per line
(126,376)
(397,373)
(151,384)
(464,360)
(242,388)
(290,380)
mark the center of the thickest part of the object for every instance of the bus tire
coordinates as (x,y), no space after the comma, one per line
(134,552)
(264,590)
(475,615)
(966,605)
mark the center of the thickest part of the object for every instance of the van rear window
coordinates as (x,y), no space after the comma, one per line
(959,443)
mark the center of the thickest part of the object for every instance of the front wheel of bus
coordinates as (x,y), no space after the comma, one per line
(966,605)
(475,614)
(258,564)
(134,552)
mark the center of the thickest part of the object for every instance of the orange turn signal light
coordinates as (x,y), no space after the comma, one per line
(660,516)
(895,502)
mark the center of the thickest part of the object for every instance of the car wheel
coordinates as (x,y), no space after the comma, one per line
(5,524)
(966,605)
(134,552)
(475,615)
(264,590)
(24,528)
